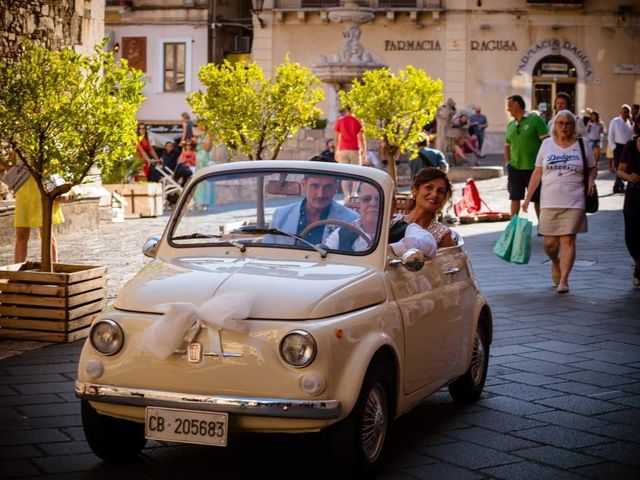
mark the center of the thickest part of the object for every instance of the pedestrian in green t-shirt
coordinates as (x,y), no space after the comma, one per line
(522,140)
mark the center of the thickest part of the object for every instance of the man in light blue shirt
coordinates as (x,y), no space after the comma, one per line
(318,204)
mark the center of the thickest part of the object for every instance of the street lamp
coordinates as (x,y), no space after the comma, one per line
(257,10)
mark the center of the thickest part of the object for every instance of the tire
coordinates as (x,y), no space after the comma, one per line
(111,439)
(468,387)
(357,442)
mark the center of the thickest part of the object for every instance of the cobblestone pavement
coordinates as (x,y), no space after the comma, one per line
(561,402)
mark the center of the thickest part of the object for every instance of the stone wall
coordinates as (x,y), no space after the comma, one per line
(52,23)
(307,143)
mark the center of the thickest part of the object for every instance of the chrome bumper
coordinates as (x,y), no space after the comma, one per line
(262,407)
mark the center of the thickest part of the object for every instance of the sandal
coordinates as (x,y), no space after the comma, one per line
(562,290)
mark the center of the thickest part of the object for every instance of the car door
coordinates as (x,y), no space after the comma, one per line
(431,304)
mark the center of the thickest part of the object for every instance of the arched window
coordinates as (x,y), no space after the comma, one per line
(554,66)
(551,75)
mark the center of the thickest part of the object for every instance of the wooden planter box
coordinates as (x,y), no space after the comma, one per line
(51,307)
(143,199)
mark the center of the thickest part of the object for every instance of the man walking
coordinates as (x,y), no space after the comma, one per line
(620,132)
(522,140)
(351,147)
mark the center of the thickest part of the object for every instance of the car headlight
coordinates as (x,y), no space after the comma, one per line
(107,337)
(298,348)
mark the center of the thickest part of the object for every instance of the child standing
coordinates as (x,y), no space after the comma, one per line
(188,157)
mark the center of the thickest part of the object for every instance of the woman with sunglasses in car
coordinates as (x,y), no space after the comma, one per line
(560,168)
(403,235)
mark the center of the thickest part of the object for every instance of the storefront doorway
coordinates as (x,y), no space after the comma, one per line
(552,74)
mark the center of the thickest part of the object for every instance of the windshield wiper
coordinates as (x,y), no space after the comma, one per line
(277,231)
(196,235)
(207,235)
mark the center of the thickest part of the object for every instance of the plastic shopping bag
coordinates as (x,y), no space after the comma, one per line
(505,242)
(521,248)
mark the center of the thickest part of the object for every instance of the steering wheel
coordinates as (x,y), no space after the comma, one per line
(330,221)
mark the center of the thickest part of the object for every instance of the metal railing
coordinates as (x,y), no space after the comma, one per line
(375,4)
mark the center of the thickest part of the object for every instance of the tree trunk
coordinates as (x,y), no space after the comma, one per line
(46,264)
(392,157)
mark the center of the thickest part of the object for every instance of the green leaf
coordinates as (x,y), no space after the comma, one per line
(62,112)
(253,115)
(394,108)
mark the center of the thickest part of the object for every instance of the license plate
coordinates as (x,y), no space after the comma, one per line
(186,426)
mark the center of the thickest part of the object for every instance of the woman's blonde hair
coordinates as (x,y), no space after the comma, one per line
(569,116)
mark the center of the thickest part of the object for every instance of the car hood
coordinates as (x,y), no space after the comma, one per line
(276,289)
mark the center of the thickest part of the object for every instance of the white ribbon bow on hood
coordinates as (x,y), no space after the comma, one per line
(182,322)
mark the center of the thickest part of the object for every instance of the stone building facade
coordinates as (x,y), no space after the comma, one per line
(483,50)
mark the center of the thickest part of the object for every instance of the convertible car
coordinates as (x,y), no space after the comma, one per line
(271,306)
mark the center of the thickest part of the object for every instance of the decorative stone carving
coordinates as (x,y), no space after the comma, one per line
(444,116)
(353,60)
(351,12)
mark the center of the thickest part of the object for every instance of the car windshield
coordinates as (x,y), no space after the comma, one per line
(299,209)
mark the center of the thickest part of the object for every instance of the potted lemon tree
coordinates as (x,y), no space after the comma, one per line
(61,112)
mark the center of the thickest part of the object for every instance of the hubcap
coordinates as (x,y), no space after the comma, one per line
(477,359)
(374,423)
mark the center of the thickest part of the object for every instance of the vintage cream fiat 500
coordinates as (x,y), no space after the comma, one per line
(270,306)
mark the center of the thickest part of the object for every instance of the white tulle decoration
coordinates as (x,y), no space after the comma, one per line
(182,322)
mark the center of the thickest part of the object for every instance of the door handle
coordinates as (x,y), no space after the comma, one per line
(451,271)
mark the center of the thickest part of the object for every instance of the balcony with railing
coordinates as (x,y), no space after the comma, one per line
(374,4)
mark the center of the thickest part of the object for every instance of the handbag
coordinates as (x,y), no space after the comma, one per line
(16,177)
(591,203)
(521,247)
(504,244)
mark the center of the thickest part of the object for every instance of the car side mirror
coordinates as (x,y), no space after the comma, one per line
(150,247)
(412,260)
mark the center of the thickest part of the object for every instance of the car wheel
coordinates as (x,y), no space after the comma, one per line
(356,443)
(111,439)
(469,386)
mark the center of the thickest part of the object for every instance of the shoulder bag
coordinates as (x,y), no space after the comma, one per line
(16,177)
(591,203)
